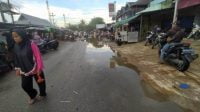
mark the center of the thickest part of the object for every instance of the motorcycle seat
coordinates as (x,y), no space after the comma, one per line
(182,45)
(186,44)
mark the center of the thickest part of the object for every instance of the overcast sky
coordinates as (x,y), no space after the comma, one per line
(75,10)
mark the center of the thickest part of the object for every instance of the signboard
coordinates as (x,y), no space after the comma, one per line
(112,9)
(100,26)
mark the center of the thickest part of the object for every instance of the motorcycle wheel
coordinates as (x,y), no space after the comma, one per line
(56,46)
(154,44)
(184,66)
(196,36)
(119,43)
(146,42)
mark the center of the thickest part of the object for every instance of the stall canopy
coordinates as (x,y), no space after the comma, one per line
(187,3)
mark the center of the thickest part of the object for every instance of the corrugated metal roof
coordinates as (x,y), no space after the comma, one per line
(142,2)
(154,7)
(156,2)
(31,20)
(130,3)
(187,3)
(157,5)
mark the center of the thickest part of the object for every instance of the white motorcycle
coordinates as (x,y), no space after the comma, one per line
(195,34)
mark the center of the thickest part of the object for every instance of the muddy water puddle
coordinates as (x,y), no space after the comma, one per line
(143,95)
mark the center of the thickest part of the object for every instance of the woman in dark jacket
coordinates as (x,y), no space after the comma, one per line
(27,65)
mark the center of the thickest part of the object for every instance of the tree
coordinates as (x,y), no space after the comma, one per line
(95,21)
(73,27)
(82,25)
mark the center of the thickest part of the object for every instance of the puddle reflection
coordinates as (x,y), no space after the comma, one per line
(99,54)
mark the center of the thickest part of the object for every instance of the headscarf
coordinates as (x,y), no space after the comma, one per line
(24,36)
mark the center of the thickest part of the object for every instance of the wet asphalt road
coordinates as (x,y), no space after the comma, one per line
(80,79)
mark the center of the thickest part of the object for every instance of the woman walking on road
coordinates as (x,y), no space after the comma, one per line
(28,64)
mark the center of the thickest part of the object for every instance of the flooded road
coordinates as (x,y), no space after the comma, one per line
(85,77)
(129,93)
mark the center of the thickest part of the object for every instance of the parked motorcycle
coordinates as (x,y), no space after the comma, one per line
(119,42)
(47,44)
(152,35)
(181,55)
(5,65)
(159,40)
(150,38)
(72,38)
(195,34)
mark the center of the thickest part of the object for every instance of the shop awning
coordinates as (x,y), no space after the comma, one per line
(187,3)
(157,6)
(151,9)
(123,22)
(131,18)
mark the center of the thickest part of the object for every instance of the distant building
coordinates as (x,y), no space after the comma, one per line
(131,8)
(29,20)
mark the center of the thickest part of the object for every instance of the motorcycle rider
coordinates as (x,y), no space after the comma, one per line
(174,35)
(156,29)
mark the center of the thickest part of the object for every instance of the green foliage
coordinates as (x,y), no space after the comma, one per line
(83,26)
(95,21)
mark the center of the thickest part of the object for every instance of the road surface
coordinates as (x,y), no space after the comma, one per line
(81,78)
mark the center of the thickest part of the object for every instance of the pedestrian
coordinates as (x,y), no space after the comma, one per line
(37,38)
(28,65)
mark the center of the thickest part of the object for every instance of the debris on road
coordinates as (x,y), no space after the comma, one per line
(65,101)
(75,92)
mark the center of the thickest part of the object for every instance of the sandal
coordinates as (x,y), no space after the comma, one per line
(31,101)
(39,98)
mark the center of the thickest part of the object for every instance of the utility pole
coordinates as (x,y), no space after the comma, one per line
(49,13)
(52,18)
(65,24)
(11,11)
(175,11)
